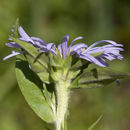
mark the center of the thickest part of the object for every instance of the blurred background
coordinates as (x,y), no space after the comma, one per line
(51,20)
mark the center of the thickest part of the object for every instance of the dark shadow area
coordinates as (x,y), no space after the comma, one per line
(29,74)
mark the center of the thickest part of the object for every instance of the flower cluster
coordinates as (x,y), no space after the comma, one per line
(95,54)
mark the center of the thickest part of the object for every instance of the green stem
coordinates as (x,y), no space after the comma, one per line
(62,96)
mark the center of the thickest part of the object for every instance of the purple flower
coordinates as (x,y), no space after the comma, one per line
(110,51)
(37,42)
(65,50)
(95,54)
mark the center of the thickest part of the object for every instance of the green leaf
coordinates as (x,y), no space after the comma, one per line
(95,123)
(97,54)
(16,35)
(56,60)
(96,77)
(32,89)
(38,68)
(79,64)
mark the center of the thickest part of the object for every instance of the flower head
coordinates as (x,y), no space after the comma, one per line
(97,55)
(93,53)
(37,42)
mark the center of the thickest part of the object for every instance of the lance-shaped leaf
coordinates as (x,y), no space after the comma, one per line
(16,35)
(96,77)
(32,88)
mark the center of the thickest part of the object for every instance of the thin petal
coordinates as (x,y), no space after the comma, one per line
(102,61)
(60,49)
(109,57)
(39,40)
(65,38)
(64,46)
(104,41)
(37,44)
(24,35)
(13,54)
(42,50)
(106,49)
(77,38)
(13,44)
(92,59)
(77,47)
(51,47)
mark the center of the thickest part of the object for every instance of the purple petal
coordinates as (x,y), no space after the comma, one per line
(77,47)
(37,44)
(39,40)
(24,35)
(64,46)
(104,41)
(105,49)
(109,57)
(9,39)
(102,61)
(13,54)
(42,50)
(65,38)
(51,47)
(12,30)
(13,44)
(92,59)
(60,49)
(77,38)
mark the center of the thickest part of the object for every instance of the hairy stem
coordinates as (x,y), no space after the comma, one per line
(62,96)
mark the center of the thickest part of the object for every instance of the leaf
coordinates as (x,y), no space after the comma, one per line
(32,89)
(16,35)
(96,77)
(97,54)
(95,123)
(79,64)
(38,68)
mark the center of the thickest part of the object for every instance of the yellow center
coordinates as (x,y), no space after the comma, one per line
(83,49)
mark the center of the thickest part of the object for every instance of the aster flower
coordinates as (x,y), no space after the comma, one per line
(94,54)
(110,51)
(37,42)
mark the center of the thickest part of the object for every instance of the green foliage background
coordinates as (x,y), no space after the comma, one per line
(51,20)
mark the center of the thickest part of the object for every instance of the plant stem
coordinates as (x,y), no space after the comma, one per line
(62,96)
